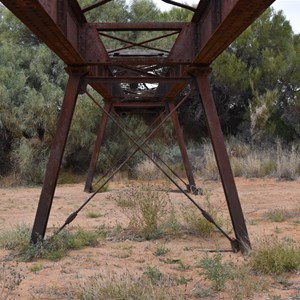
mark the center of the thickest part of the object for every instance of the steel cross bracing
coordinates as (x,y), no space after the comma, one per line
(135,74)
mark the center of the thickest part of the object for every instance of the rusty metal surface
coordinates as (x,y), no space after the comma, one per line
(56,155)
(62,26)
(134,73)
(95,155)
(181,144)
(218,143)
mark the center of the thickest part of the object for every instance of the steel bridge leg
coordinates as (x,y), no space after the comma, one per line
(95,155)
(56,155)
(217,139)
(180,140)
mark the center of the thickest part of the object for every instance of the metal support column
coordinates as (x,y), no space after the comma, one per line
(218,143)
(56,155)
(95,155)
(180,140)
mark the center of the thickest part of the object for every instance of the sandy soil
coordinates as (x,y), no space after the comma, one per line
(258,196)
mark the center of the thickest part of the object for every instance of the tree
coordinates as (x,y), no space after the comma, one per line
(260,63)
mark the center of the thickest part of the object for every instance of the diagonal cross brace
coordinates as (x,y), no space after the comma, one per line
(190,187)
(206,215)
(73,215)
(88,187)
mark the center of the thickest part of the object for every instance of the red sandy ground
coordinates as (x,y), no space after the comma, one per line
(258,196)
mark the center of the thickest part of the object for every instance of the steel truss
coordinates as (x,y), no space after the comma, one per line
(138,75)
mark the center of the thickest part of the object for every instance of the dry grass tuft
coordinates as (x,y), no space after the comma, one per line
(147,210)
(275,257)
(125,286)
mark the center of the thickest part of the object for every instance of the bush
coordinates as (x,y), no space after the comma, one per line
(147,170)
(288,162)
(30,158)
(252,161)
(194,220)
(278,215)
(216,271)
(146,209)
(18,241)
(275,257)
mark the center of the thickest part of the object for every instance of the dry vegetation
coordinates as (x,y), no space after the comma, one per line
(146,242)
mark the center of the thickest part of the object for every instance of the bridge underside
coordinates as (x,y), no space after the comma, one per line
(138,75)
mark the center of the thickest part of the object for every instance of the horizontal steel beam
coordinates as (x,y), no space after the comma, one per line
(146,26)
(138,105)
(91,79)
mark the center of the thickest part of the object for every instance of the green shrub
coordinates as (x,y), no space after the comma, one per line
(216,271)
(97,185)
(146,209)
(194,220)
(275,257)
(36,267)
(93,215)
(278,215)
(154,274)
(30,158)
(69,178)
(18,241)
(161,250)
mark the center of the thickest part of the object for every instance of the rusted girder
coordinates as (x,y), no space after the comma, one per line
(56,155)
(215,25)
(144,26)
(95,155)
(218,143)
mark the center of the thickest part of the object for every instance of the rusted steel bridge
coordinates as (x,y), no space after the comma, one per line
(122,76)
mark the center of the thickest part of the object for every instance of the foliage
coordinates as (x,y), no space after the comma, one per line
(36,268)
(161,251)
(255,83)
(146,209)
(154,274)
(250,161)
(194,220)
(18,241)
(93,215)
(275,257)
(278,215)
(216,271)
(124,286)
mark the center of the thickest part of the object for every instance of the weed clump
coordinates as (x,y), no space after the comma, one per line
(146,209)
(278,215)
(18,241)
(124,286)
(10,279)
(194,220)
(275,257)
(161,251)
(216,271)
